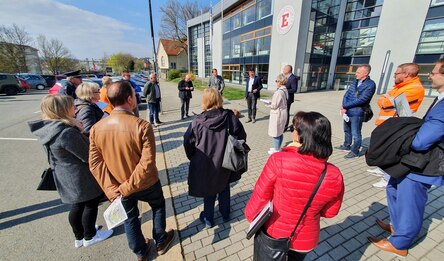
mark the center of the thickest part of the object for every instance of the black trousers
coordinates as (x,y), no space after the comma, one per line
(82,218)
(251,103)
(288,113)
(296,256)
(185,107)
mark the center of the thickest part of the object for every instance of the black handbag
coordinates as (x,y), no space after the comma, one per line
(267,248)
(368,113)
(236,153)
(47,182)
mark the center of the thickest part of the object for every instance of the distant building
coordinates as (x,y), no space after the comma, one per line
(170,55)
(324,40)
(32,61)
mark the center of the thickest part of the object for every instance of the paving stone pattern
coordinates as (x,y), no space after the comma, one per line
(342,238)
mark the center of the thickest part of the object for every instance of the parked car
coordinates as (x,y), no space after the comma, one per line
(50,79)
(24,84)
(10,84)
(88,76)
(94,80)
(34,81)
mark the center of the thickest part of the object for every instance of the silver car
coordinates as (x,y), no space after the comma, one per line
(34,81)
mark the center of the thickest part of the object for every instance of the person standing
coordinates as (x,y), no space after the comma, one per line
(126,76)
(151,91)
(406,82)
(357,97)
(204,142)
(67,150)
(87,111)
(252,94)
(292,88)
(289,177)
(106,80)
(123,161)
(185,87)
(216,81)
(278,114)
(74,80)
(407,196)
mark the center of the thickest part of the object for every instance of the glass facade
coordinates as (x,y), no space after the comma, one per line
(195,32)
(431,43)
(246,41)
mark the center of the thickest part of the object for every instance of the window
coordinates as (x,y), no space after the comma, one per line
(226,47)
(173,65)
(437,3)
(425,48)
(249,15)
(227,27)
(435,24)
(263,9)
(236,21)
(162,61)
(236,47)
(249,48)
(263,45)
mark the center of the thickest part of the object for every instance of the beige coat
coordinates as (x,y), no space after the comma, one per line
(278,112)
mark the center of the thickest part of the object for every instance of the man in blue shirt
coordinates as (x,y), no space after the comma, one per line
(407,196)
(126,76)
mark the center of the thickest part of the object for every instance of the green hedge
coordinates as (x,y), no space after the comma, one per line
(173,74)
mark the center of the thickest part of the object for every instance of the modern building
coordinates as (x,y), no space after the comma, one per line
(171,55)
(25,58)
(324,40)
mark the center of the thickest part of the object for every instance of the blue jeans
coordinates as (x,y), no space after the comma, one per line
(406,200)
(277,141)
(154,197)
(154,112)
(352,129)
(224,204)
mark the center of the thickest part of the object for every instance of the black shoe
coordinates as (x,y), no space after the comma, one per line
(249,120)
(163,248)
(159,122)
(351,155)
(342,147)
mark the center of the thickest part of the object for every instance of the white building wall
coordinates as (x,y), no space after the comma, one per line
(283,46)
(399,30)
(217,46)
(200,57)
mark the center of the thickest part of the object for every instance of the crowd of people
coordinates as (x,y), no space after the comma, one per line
(111,152)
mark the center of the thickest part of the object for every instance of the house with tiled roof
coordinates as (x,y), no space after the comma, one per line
(171,55)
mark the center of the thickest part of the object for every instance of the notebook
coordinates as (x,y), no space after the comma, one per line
(260,219)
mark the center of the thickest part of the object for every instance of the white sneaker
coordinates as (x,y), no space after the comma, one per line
(271,151)
(381,184)
(376,172)
(100,236)
(78,243)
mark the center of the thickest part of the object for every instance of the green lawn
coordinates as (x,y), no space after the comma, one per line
(230,93)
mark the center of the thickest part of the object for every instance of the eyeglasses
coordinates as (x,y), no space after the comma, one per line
(97,92)
(291,128)
(433,73)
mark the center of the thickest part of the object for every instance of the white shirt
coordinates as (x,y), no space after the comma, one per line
(250,84)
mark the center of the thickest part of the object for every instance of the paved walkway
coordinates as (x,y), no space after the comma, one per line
(342,237)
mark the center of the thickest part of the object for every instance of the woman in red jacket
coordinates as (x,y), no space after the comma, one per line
(289,178)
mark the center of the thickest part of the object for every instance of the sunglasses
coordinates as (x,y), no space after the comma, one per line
(291,128)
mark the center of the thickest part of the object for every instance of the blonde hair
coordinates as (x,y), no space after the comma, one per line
(211,99)
(57,107)
(106,80)
(281,79)
(86,90)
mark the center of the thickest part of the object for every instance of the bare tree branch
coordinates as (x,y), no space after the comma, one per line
(13,43)
(55,56)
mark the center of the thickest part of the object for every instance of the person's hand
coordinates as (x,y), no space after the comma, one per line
(254,91)
(117,193)
(191,88)
(343,111)
(186,88)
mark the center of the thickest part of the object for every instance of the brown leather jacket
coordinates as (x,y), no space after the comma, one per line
(122,154)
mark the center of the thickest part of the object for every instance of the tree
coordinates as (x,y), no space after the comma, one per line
(175,15)
(13,43)
(120,62)
(139,65)
(54,55)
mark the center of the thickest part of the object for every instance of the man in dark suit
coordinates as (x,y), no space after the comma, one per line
(292,88)
(407,196)
(252,93)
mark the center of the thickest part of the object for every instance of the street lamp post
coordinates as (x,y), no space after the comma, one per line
(152,36)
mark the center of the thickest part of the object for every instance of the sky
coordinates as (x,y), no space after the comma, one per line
(89,28)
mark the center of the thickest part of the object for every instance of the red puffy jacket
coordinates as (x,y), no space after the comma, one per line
(288,179)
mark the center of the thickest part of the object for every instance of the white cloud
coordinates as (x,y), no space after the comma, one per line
(86,34)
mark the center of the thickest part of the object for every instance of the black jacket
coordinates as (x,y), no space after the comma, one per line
(257,85)
(88,114)
(390,149)
(185,94)
(204,143)
(69,89)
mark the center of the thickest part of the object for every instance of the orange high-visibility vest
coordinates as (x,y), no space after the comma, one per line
(413,90)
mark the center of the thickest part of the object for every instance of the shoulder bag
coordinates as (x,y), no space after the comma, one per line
(268,248)
(368,112)
(236,153)
(47,182)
